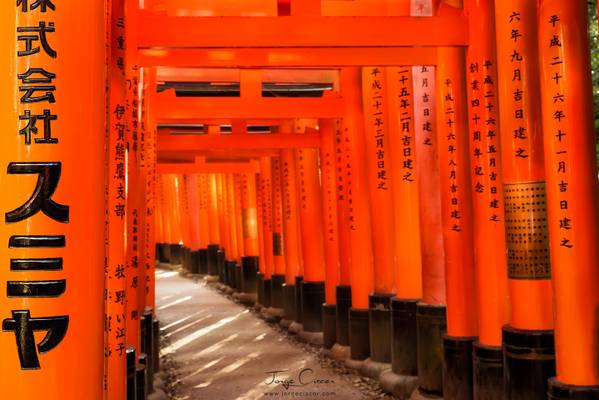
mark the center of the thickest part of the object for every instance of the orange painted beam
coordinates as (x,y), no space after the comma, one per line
(167,105)
(198,143)
(162,31)
(287,57)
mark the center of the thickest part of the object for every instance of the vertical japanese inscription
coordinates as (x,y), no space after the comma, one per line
(555,66)
(37,90)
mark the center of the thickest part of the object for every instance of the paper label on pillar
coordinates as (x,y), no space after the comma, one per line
(527,234)
(277,244)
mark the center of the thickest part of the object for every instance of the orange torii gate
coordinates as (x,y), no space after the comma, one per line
(546,198)
(269,47)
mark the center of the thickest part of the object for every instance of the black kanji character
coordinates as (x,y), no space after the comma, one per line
(40,35)
(24,326)
(41,199)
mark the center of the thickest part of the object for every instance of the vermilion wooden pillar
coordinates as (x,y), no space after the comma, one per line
(193,196)
(225,245)
(261,244)
(186,224)
(292,242)
(233,255)
(133,206)
(264,280)
(53,268)
(278,239)
(408,271)
(528,340)
(488,204)
(379,167)
(331,229)
(204,222)
(430,312)
(214,225)
(115,380)
(572,195)
(456,207)
(343,291)
(148,158)
(159,220)
(237,182)
(251,245)
(142,205)
(310,212)
(362,272)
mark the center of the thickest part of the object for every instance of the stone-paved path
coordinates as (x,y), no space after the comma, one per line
(219,350)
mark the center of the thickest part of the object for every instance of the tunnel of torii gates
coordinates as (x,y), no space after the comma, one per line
(411,185)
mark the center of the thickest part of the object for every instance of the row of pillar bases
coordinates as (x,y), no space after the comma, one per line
(401,342)
(143,365)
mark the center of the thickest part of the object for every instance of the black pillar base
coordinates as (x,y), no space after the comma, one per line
(404,341)
(141,378)
(431,325)
(249,274)
(166,252)
(176,250)
(203,261)
(529,363)
(299,299)
(359,340)
(131,376)
(329,325)
(343,306)
(232,275)
(267,300)
(156,345)
(289,302)
(212,259)
(186,259)
(220,258)
(160,253)
(379,315)
(312,299)
(195,262)
(260,285)
(457,367)
(147,346)
(277,297)
(488,372)
(561,391)
(238,278)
